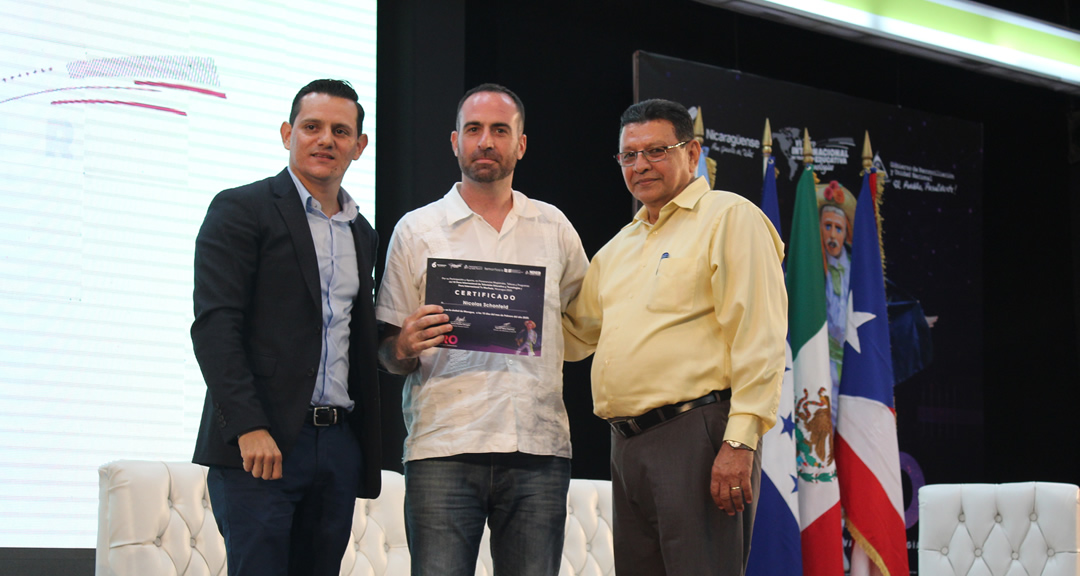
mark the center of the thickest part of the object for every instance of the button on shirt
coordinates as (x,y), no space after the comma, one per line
(339,281)
(459,401)
(693,303)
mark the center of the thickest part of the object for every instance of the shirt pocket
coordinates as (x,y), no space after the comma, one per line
(673,286)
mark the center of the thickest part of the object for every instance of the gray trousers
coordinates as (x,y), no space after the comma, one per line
(666,522)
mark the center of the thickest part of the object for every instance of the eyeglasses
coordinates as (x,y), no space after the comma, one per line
(628,159)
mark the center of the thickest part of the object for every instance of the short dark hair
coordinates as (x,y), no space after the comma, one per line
(338,88)
(659,109)
(491,87)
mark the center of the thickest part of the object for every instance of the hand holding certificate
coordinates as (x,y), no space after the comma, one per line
(493,306)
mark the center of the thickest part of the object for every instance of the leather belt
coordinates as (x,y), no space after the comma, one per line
(628,427)
(325,415)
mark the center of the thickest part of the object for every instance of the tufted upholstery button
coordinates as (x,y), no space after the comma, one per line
(1050,552)
(1015,555)
(997,518)
(356,546)
(205,503)
(169,502)
(978,552)
(588,547)
(386,547)
(945,550)
(569,509)
(1034,516)
(157,541)
(192,542)
(961,517)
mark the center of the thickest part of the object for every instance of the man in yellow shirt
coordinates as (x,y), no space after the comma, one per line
(687,312)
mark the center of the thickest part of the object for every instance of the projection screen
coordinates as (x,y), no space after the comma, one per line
(119,121)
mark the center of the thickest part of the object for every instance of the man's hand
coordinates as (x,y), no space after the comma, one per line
(730,486)
(261,455)
(425,328)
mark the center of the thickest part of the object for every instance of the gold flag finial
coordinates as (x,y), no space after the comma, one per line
(766,140)
(699,126)
(766,147)
(807,149)
(867,153)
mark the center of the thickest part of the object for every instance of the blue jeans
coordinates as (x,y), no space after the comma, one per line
(521,496)
(300,524)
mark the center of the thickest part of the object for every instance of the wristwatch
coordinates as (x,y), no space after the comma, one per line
(738,445)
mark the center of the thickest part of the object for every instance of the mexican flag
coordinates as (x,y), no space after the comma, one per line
(819,492)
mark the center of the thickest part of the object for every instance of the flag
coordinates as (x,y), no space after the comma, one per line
(775,547)
(867,453)
(819,494)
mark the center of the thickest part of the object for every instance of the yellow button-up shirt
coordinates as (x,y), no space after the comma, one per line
(693,303)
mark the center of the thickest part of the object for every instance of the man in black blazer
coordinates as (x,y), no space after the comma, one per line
(285,336)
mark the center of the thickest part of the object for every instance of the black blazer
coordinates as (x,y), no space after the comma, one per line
(258,325)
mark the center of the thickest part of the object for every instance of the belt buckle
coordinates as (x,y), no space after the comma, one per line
(324,415)
(631,427)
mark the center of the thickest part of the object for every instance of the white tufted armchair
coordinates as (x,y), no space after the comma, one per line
(155,518)
(1029,529)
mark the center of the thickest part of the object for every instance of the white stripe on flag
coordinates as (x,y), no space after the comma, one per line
(811,372)
(778,449)
(871,432)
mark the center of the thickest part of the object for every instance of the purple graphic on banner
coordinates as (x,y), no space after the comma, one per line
(493,306)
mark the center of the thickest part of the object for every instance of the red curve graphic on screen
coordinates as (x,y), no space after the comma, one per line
(121,102)
(181,87)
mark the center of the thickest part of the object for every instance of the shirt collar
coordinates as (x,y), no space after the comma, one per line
(349,208)
(686,199)
(457,210)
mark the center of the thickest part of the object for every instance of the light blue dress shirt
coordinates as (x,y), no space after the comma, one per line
(339,281)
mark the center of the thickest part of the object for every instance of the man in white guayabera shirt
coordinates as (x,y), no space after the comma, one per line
(488,435)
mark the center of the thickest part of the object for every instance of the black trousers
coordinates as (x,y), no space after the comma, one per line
(300,524)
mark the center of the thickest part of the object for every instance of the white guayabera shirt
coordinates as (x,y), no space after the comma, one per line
(459,401)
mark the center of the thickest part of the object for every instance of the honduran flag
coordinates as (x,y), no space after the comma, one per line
(819,495)
(775,548)
(867,454)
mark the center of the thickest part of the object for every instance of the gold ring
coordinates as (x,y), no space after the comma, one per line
(737,488)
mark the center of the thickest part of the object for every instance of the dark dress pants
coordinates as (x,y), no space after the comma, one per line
(666,522)
(300,524)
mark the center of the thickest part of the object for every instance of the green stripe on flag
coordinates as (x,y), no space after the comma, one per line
(805,266)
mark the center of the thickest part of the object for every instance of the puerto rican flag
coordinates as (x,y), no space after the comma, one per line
(776,548)
(867,453)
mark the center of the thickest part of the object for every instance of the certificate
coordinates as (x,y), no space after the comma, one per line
(493,306)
